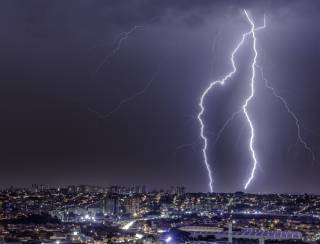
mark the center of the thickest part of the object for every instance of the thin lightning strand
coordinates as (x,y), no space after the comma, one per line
(118,43)
(123,36)
(225,125)
(120,39)
(126,100)
(290,112)
(182,146)
(222,82)
(104,42)
(186,145)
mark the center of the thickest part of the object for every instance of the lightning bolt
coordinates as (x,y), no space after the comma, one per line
(122,37)
(244,107)
(290,112)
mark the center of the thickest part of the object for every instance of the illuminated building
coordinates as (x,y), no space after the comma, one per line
(110,205)
(132,205)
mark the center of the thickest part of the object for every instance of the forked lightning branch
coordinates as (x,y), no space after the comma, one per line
(244,107)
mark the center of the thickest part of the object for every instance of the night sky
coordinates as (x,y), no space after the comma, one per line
(49,89)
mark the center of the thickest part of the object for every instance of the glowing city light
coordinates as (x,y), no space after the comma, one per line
(168,239)
(128,225)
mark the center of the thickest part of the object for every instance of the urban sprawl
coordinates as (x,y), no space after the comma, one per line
(117,214)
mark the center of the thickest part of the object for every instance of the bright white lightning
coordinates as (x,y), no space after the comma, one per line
(290,112)
(244,108)
(202,109)
(253,67)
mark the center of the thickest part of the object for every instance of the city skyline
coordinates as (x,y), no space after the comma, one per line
(106,93)
(91,215)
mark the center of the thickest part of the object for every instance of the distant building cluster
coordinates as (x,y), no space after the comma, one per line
(118,214)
